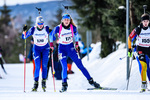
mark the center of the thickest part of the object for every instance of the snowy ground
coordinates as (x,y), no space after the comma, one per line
(109,72)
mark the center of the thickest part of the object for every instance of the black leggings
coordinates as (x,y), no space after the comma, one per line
(1,61)
(142,51)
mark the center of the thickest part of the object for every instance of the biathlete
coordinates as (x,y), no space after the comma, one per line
(66,31)
(142,34)
(41,49)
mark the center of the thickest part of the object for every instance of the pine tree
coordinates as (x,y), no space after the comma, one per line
(94,14)
(5,31)
(5,15)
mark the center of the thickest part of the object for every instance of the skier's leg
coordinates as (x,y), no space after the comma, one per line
(69,71)
(56,69)
(48,65)
(142,59)
(3,66)
(144,69)
(148,67)
(33,67)
(140,66)
(45,59)
(36,69)
(37,60)
(63,61)
(59,70)
(75,57)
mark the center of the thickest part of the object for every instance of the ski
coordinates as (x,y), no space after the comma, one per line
(146,90)
(102,88)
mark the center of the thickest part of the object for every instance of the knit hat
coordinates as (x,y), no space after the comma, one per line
(144,17)
(39,20)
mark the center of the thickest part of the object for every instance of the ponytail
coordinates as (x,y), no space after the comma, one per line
(71,21)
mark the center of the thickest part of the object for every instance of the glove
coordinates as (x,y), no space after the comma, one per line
(129,53)
(77,47)
(134,45)
(51,47)
(141,25)
(25,28)
(50,30)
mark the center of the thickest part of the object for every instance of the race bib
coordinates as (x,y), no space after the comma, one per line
(144,38)
(40,37)
(65,36)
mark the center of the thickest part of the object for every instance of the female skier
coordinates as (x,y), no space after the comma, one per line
(40,49)
(142,32)
(66,31)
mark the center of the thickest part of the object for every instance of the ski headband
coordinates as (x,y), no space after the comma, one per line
(146,17)
(66,16)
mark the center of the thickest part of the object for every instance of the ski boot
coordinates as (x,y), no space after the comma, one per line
(93,83)
(143,86)
(36,83)
(44,85)
(70,72)
(64,87)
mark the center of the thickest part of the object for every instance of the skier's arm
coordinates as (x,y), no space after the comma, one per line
(133,34)
(76,35)
(131,37)
(48,30)
(28,33)
(52,36)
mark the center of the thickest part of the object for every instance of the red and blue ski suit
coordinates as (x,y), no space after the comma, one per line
(40,49)
(66,48)
(142,37)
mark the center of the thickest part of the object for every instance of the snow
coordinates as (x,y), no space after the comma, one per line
(109,72)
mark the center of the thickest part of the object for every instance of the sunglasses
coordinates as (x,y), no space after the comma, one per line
(40,23)
(66,15)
